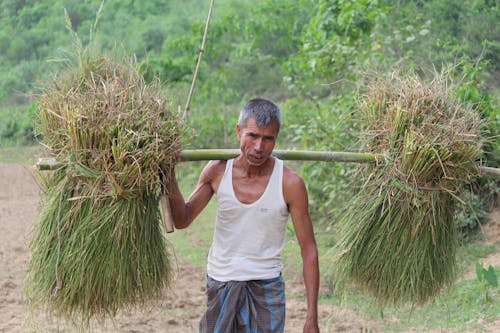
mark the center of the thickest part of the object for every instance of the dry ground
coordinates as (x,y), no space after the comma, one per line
(180,309)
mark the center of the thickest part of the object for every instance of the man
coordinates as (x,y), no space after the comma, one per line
(255,195)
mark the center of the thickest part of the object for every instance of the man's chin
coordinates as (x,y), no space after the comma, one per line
(257,161)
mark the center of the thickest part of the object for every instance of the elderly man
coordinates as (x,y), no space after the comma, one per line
(255,194)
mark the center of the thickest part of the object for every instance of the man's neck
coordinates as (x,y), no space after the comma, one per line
(251,171)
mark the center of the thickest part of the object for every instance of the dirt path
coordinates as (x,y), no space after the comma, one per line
(178,312)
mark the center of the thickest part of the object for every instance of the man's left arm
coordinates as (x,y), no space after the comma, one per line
(297,199)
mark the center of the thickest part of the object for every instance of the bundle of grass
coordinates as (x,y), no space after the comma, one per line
(397,235)
(100,244)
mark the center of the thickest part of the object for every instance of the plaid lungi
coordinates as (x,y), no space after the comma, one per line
(256,306)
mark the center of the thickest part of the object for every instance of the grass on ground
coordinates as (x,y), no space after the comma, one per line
(25,155)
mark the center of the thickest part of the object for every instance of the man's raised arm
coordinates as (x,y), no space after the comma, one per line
(184,212)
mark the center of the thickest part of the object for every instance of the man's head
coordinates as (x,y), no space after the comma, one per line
(263,111)
(257,130)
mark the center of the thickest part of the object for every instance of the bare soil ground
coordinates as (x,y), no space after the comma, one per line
(180,309)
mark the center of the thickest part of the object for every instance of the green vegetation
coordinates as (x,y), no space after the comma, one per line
(310,56)
(26,155)
(313,57)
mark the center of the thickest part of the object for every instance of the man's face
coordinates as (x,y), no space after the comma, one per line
(257,143)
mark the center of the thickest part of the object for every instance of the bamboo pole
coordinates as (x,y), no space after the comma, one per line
(49,163)
(198,63)
(491,172)
(296,155)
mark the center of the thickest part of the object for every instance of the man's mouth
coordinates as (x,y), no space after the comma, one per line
(258,157)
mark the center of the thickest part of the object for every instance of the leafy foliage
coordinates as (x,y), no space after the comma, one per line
(487,277)
(16,125)
(310,56)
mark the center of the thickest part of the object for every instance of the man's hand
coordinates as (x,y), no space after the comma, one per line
(311,326)
(178,151)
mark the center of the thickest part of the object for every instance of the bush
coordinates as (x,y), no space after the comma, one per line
(16,126)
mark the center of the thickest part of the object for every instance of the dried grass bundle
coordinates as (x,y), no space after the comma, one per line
(398,234)
(100,244)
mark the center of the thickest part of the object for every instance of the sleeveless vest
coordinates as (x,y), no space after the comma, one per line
(248,238)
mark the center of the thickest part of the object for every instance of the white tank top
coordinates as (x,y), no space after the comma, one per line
(248,238)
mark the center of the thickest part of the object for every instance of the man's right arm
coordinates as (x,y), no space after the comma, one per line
(184,212)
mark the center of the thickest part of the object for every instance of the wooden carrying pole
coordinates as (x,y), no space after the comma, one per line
(49,163)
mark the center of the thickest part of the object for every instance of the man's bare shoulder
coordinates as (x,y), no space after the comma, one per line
(215,167)
(294,190)
(291,180)
(212,173)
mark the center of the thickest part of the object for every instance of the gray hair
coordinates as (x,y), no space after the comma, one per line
(263,111)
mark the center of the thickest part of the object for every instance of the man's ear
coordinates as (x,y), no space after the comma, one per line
(238,131)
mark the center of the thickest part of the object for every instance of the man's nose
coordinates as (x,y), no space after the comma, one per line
(258,144)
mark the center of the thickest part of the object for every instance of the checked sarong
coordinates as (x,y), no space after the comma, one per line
(244,306)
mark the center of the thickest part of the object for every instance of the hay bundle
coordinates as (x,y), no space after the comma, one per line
(100,244)
(398,235)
